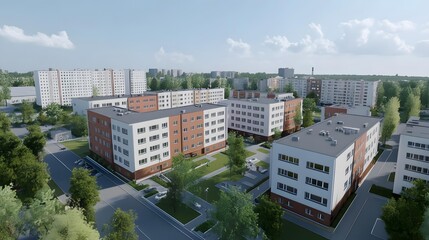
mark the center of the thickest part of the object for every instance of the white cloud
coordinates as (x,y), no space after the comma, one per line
(239,47)
(280,42)
(369,36)
(176,57)
(422,48)
(15,34)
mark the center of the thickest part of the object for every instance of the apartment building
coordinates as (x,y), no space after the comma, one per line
(260,117)
(286,72)
(330,111)
(59,86)
(138,145)
(150,101)
(349,92)
(413,154)
(314,171)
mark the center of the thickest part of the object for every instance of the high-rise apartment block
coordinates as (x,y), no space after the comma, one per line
(223,74)
(413,154)
(286,72)
(58,86)
(314,171)
(138,145)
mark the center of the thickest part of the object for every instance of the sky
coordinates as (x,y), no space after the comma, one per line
(384,37)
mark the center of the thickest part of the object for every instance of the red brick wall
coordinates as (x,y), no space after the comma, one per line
(143,103)
(100,136)
(289,114)
(331,110)
(175,132)
(359,158)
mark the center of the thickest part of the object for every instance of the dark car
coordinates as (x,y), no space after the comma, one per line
(150,189)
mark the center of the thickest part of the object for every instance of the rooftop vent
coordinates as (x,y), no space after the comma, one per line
(322,133)
(329,139)
(295,138)
(183,111)
(365,125)
(334,143)
(327,133)
(329,122)
(309,131)
(340,122)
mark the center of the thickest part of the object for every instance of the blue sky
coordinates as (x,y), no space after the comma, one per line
(336,37)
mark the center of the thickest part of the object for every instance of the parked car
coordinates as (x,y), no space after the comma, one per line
(93,172)
(78,161)
(262,170)
(98,174)
(149,189)
(81,163)
(63,148)
(161,195)
(197,205)
(252,160)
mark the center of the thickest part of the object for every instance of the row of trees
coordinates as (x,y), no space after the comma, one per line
(15,79)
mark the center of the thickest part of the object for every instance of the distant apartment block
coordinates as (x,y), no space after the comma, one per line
(259,117)
(58,86)
(150,101)
(413,154)
(153,72)
(314,171)
(286,72)
(349,92)
(138,145)
(248,94)
(240,83)
(223,74)
(330,111)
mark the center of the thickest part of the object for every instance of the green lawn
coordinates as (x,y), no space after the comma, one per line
(80,147)
(213,193)
(159,181)
(205,226)
(381,191)
(221,161)
(292,231)
(199,162)
(183,213)
(57,190)
(392,177)
(263,164)
(263,150)
(136,186)
(249,153)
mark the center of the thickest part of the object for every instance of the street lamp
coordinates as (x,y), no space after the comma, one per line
(207,190)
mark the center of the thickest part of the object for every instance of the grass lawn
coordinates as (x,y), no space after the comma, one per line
(249,153)
(213,193)
(136,186)
(263,164)
(392,177)
(384,192)
(221,161)
(80,147)
(199,162)
(159,181)
(205,226)
(292,231)
(183,213)
(343,210)
(57,190)
(263,150)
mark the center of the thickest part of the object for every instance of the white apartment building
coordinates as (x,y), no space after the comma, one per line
(255,116)
(81,105)
(182,98)
(312,172)
(349,92)
(413,154)
(58,86)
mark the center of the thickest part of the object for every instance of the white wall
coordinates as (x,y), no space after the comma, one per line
(81,105)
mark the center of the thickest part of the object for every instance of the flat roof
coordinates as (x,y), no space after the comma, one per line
(416,128)
(260,100)
(136,117)
(95,98)
(22,91)
(315,142)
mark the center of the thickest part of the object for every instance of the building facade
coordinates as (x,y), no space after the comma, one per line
(81,105)
(349,92)
(58,86)
(21,94)
(413,154)
(138,145)
(329,111)
(286,72)
(313,172)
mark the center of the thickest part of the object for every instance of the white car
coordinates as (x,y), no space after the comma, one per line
(252,160)
(197,205)
(161,195)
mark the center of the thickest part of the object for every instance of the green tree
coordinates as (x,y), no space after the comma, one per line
(35,140)
(10,210)
(235,216)
(425,94)
(186,83)
(4,122)
(84,192)
(270,217)
(27,111)
(215,83)
(236,153)
(277,134)
(166,83)
(54,113)
(197,80)
(227,92)
(289,88)
(71,225)
(253,84)
(206,83)
(79,126)
(122,226)
(307,119)
(403,96)
(181,178)
(308,106)
(297,119)
(412,107)
(391,89)
(313,95)
(154,83)
(4,90)
(94,91)
(391,119)
(381,99)
(42,118)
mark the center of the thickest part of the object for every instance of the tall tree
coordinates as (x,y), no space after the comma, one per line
(297,119)
(308,119)
(10,209)
(403,96)
(206,83)
(308,106)
(270,217)
(215,83)
(27,111)
(313,95)
(79,126)
(277,134)
(54,113)
(235,216)
(253,84)
(391,89)
(154,84)
(289,88)
(181,178)
(4,90)
(166,83)
(236,153)
(227,92)
(186,83)
(391,119)
(35,140)
(197,80)
(4,122)
(122,226)
(381,99)
(411,107)
(425,94)
(71,225)
(84,192)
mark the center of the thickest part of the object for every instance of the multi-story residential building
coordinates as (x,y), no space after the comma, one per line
(270,84)
(314,85)
(150,101)
(153,72)
(240,83)
(286,72)
(329,111)
(313,172)
(413,154)
(223,74)
(58,86)
(138,145)
(349,92)
(20,94)
(260,117)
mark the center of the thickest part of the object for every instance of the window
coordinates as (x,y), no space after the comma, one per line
(164,145)
(417,157)
(316,199)
(154,147)
(288,159)
(126,152)
(164,125)
(175,123)
(286,188)
(185,120)
(288,174)
(126,163)
(318,167)
(114,126)
(165,154)
(164,135)
(141,141)
(153,127)
(155,157)
(142,151)
(316,183)
(141,130)
(125,141)
(308,212)
(124,131)
(321,216)
(153,138)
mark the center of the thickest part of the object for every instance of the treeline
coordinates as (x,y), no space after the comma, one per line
(15,79)
(367,77)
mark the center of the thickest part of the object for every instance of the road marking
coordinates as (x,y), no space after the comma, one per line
(375,223)
(384,163)
(57,159)
(356,218)
(142,232)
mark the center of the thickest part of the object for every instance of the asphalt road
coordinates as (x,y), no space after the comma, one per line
(151,223)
